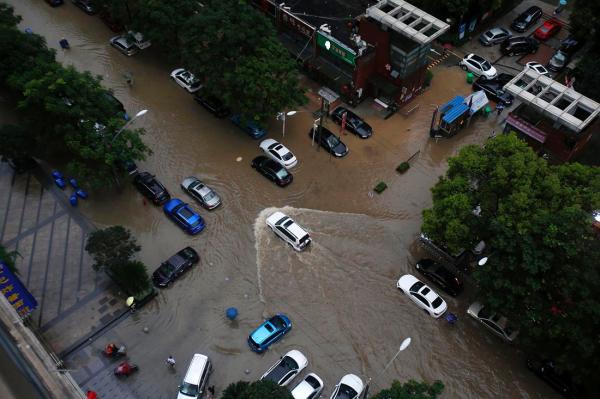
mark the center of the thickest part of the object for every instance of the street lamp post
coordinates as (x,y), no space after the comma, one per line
(141,113)
(402,347)
(281,116)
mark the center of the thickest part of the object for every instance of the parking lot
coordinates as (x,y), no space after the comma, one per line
(515,64)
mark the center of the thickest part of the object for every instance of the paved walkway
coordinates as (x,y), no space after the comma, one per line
(37,221)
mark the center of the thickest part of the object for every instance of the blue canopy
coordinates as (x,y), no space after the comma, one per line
(455,112)
(452,103)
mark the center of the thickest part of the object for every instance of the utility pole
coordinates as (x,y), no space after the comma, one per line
(322,112)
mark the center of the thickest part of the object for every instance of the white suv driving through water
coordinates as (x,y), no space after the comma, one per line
(289,231)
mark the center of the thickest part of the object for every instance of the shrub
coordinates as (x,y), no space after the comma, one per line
(428,77)
(380,187)
(403,167)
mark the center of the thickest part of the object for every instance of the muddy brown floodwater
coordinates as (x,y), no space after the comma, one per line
(341,295)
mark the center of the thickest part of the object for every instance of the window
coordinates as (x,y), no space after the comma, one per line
(275,154)
(421,299)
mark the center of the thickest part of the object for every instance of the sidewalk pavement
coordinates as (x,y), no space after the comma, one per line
(37,220)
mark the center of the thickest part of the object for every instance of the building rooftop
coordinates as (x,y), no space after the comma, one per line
(556,101)
(338,14)
(408,20)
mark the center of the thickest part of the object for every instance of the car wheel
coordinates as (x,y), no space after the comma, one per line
(464,68)
(426,312)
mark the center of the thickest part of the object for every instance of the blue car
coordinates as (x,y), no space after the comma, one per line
(269,332)
(184,216)
(253,130)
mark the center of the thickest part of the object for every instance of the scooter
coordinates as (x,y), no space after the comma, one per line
(125,369)
(113,351)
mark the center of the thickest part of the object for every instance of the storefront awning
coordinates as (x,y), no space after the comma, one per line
(526,128)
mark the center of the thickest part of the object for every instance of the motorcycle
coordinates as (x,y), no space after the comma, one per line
(125,369)
(113,351)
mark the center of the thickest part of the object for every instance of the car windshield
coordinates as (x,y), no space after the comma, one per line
(166,269)
(416,286)
(489,34)
(333,141)
(287,156)
(277,322)
(437,302)
(186,213)
(208,196)
(195,222)
(346,392)
(544,29)
(486,66)
(559,56)
(189,389)
(282,173)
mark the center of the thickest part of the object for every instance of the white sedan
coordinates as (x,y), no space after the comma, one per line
(349,387)
(278,153)
(478,65)
(422,295)
(186,79)
(309,388)
(536,66)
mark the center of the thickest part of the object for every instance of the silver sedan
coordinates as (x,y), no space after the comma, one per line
(206,196)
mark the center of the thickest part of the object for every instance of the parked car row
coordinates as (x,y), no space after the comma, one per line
(290,365)
(512,45)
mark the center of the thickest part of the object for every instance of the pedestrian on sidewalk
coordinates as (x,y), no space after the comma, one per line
(211,392)
(561,6)
(499,108)
(128,78)
(171,362)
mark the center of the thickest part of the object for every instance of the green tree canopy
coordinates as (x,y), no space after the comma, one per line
(256,390)
(162,21)
(112,245)
(536,219)
(251,71)
(7,16)
(411,390)
(74,118)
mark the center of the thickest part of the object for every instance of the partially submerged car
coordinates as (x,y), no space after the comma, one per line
(286,368)
(174,267)
(269,332)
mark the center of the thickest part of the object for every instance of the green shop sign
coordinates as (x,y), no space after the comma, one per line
(335,47)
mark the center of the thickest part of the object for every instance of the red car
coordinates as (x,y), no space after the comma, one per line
(550,28)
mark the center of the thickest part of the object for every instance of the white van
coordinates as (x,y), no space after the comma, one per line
(196,378)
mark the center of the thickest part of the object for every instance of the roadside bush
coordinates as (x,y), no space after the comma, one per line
(132,276)
(403,167)
(112,249)
(380,187)
(428,78)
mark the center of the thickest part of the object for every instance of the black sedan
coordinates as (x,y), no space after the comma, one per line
(329,141)
(353,122)
(212,104)
(174,267)
(557,379)
(525,20)
(88,6)
(272,170)
(151,188)
(441,276)
(493,88)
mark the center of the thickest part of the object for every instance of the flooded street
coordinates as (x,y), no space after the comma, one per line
(341,294)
